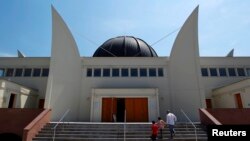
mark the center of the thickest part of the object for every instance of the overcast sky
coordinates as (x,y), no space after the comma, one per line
(25,25)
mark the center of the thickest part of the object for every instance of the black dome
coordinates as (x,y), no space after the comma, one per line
(125,46)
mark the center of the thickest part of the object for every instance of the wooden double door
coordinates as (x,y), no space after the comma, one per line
(136,109)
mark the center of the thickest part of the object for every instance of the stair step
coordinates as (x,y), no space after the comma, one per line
(110,131)
(117,139)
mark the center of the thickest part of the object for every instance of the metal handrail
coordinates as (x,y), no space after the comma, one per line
(125,125)
(54,128)
(191,123)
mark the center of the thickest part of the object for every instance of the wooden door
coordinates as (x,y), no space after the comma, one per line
(41,104)
(209,103)
(129,107)
(238,101)
(108,109)
(136,109)
(12,101)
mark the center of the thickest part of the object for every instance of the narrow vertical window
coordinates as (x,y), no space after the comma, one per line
(248,71)
(106,72)
(1,72)
(134,72)
(45,72)
(19,72)
(204,72)
(241,72)
(89,72)
(97,72)
(222,72)
(124,72)
(160,72)
(36,72)
(213,72)
(27,72)
(115,72)
(10,72)
(143,72)
(152,72)
(231,72)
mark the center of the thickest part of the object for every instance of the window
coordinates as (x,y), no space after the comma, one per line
(10,72)
(115,72)
(1,72)
(241,72)
(213,72)
(231,72)
(97,72)
(36,72)
(248,71)
(27,72)
(222,71)
(143,72)
(106,72)
(152,72)
(134,72)
(45,72)
(160,72)
(204,72)
(124,72)
(89,72)
(18,72)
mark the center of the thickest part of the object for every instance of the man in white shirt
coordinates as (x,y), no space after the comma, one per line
(170,120)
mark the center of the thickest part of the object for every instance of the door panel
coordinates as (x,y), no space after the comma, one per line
(137,109)
(129,106)
(108,109)
(238,101)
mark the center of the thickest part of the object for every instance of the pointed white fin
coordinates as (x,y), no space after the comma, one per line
(231,53)
(64,82)
(20,54)
(184,67)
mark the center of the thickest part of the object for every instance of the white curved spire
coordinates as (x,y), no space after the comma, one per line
(231,53)
(20,54)
(184,66)
(64,82)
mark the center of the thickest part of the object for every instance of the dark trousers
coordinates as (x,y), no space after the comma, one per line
(161,134)
(153,137)
(171,129)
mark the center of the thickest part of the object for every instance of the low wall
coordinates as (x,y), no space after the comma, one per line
(228,116)
(35,126)
(16,119)
(207,118)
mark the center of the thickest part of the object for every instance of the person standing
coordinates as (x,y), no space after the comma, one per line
(154,129)
(171,119)
(161,124)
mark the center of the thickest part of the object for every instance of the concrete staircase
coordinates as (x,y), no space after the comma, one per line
(79,131)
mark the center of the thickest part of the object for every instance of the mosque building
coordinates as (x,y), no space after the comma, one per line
(125,79)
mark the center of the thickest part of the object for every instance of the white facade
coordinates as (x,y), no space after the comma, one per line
(13,95)
(225,97)
(182,81)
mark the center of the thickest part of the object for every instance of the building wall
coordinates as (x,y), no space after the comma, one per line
(224,97)
(24,97)
(38,83)
(212,82)
(88,83)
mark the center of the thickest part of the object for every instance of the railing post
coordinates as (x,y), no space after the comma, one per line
(124,125)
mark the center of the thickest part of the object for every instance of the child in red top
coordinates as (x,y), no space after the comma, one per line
(154,129)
